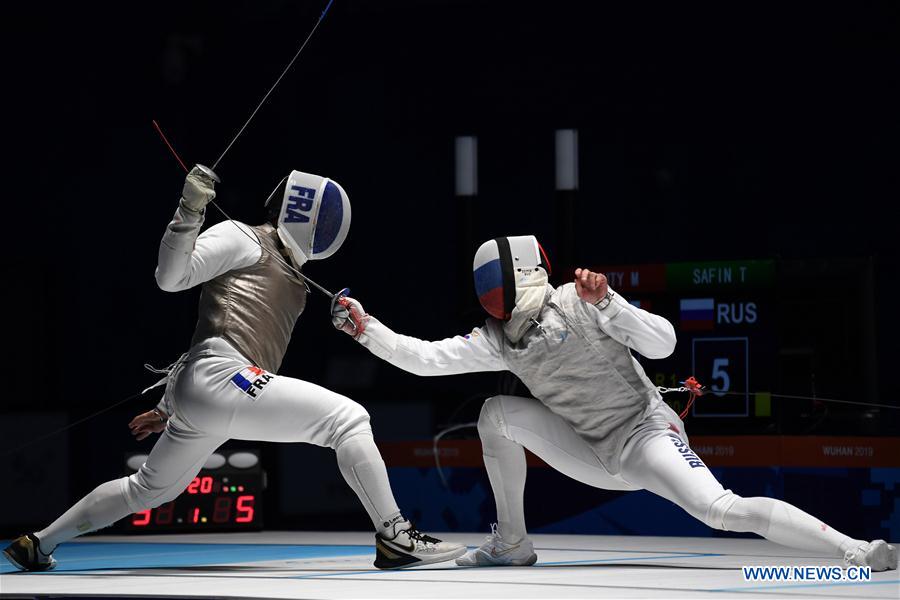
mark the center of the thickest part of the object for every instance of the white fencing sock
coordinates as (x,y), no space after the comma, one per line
(363,468)
(787,525)
(505,463)
(100,508)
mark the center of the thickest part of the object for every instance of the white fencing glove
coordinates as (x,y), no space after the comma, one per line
(198,189)
(349,316)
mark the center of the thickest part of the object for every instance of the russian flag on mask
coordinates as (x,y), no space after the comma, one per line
(489,284)
(698,314)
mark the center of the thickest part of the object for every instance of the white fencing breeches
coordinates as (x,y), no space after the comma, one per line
(211,407)
(656,457)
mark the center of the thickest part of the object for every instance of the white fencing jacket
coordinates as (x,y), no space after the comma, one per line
(578,362)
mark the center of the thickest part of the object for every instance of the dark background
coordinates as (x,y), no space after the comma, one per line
(707,131)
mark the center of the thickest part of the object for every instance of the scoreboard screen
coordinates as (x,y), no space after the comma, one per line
(226,495)
(723,313)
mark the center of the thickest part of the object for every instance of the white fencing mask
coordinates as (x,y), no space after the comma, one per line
(314,217)
(508,271)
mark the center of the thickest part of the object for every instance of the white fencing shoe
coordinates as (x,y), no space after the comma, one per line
(495,552)
(879,555)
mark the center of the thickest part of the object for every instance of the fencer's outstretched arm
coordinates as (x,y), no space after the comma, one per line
(186,260)
(451,356)
(650,335)
(477,351)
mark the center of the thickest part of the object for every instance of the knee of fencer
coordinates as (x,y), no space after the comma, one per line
(354,421)
(718,509)
(140,496)
(491,420)
(135,491)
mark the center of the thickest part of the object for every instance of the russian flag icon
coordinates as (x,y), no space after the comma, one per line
(698,314)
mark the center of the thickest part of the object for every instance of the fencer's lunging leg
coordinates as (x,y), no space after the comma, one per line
(363,468)
(780,522)
(176,458)
(657,460)
(504,460)
(510,423)
(102,507)
(662,463)
(292,410)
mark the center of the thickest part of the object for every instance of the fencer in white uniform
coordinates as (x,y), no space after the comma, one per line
(596,417)
(227,385)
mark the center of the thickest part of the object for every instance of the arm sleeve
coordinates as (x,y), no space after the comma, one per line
(477,351)
(186,260)
(648,334)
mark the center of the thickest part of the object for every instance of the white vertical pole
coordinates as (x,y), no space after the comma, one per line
(466,165)
(566,159)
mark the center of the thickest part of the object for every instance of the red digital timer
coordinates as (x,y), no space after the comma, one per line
(224,496)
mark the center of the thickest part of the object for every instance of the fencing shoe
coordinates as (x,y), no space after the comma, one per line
(495,552)
(879,555)
(409,547)
(25,553)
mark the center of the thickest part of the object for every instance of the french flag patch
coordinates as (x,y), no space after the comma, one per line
(252,381)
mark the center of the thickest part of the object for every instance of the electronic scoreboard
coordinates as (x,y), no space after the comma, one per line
(226,495)
(723,315)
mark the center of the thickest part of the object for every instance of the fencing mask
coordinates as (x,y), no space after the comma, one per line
(314,217)
(511,276)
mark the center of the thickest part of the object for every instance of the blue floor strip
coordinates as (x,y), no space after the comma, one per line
(539,564)
(88,556)
(630,558)
(341,574)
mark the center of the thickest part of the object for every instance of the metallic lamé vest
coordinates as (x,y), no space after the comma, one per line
(580,373)
(254,308)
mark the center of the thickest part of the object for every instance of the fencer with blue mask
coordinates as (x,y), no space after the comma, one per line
(227,385)
(595,415)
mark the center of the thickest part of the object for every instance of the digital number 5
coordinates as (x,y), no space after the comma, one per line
(718,372)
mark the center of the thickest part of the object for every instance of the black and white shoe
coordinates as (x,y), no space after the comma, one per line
(25,553)
(409,547)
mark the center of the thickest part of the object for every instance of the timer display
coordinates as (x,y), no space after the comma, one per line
(222,497)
